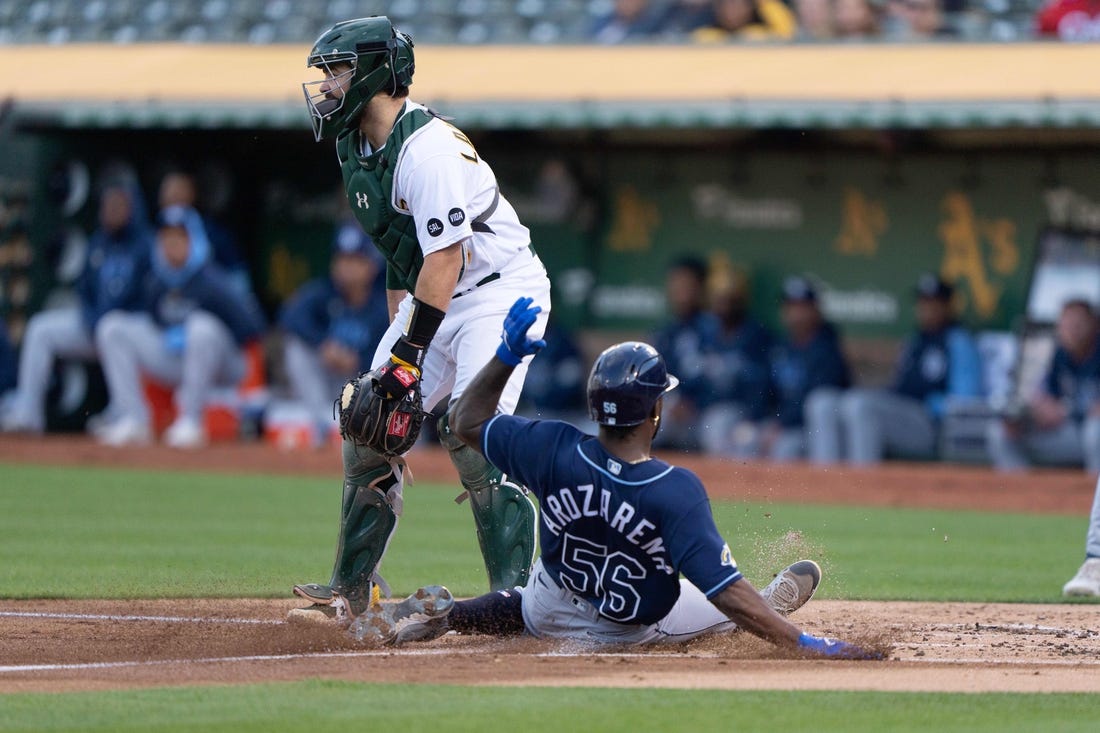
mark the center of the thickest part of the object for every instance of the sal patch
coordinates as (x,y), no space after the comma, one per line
(435,227)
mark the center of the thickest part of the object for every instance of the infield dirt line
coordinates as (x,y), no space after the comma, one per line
(18,668)
(123,617)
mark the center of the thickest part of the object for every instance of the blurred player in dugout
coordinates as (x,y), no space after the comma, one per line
(1061,425)
(332,325)
(188,335)
(115,267)
(939,363)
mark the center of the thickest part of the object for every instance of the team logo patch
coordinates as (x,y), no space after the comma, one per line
(435,227)
(456,216)
(399,424)
(727,557)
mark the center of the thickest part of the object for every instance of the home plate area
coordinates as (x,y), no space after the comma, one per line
(48,645)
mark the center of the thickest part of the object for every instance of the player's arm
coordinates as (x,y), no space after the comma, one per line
(434,287)
(747,608)
(393,301)
(478,403)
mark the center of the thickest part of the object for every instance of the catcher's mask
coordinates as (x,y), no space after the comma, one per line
(361,57)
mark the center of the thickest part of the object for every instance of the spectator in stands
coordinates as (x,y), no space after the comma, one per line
(815,19)
(1087,580)
(178,188)
(333,325)
(807,360)
(856,19)
(753,20)
(1062,425)
(629,20)
(115,265)
(736,364)
(684,341)
(189,336)
(681,17)
(939,363)
(1070,20)
(916,20)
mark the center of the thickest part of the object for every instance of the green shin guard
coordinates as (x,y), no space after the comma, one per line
(372,502)
(504,515)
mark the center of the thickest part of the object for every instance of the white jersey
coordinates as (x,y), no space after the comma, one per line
(452,195)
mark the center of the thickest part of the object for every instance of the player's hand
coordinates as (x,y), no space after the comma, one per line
(514,344)
(835,648)
(395,378)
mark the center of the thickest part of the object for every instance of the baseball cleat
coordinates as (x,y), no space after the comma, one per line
(793,587)
(1087,581)
(420,617)
(327,614)
(314,593)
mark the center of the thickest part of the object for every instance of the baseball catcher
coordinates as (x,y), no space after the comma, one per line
(456,258)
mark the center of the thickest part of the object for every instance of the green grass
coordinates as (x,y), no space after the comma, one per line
(102,533)
(352,706)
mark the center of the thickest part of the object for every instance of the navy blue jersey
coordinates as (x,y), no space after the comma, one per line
(1075,383)
(616,534)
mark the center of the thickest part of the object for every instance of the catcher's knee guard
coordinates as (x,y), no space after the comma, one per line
(504,515)
(371,505)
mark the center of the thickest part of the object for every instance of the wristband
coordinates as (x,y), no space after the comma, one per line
(423,322)
(505,355)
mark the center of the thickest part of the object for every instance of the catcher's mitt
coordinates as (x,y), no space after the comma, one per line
(369,417)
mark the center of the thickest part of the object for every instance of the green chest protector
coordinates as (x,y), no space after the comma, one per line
(368,181)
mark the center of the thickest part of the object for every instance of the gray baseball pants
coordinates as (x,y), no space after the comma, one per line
(1068,444)
(869,424)
(310,381)
(50,334)
(131,344)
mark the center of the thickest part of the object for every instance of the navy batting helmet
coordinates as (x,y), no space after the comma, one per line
(626,381)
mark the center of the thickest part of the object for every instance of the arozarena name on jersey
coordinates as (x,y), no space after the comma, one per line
(563,507)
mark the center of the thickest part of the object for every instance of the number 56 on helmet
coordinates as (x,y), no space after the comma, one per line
(625,383)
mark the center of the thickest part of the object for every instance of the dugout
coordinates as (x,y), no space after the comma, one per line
(858,165)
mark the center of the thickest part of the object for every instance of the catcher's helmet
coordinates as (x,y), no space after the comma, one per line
(380,57)
(626,381)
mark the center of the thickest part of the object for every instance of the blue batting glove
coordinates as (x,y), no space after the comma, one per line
(835,648)
(514,344)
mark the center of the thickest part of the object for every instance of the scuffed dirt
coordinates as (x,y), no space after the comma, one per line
(935,647)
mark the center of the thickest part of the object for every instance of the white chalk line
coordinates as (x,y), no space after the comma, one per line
(122,617)
(70,667)
(89,666)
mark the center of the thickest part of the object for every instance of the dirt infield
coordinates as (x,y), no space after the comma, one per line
(81,645)
(64,646)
